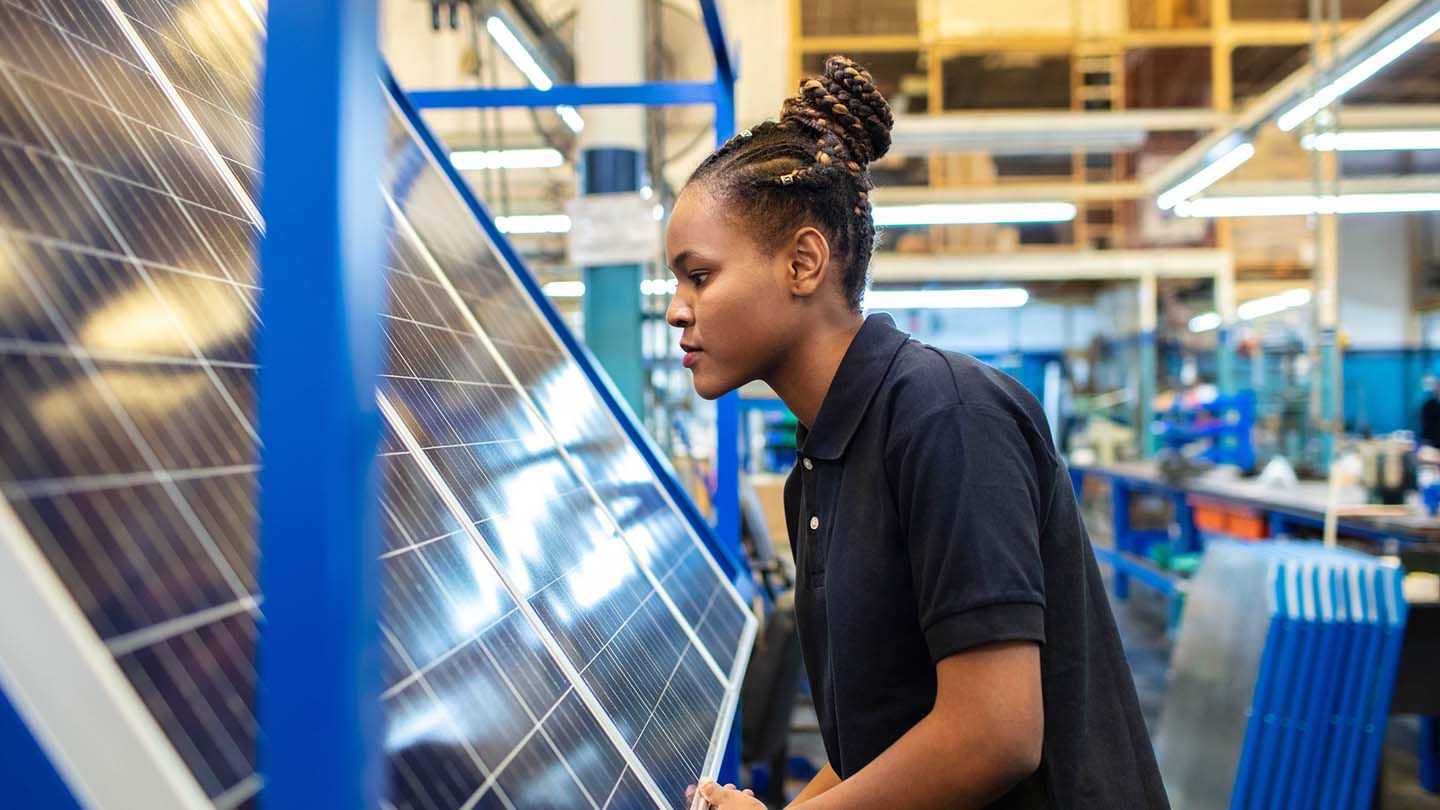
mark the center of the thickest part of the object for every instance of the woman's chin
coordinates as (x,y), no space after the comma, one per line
(710,388)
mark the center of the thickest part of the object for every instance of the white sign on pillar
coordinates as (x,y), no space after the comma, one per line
(612,229)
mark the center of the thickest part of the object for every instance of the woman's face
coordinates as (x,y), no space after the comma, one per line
(733,304)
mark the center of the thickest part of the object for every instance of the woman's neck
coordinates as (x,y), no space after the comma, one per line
(804,376)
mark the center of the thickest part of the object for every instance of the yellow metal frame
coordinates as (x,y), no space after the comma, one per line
(1222,36)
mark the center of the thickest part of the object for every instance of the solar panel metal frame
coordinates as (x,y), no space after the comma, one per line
(140,755)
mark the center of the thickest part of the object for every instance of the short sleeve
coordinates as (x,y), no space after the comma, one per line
(971,511)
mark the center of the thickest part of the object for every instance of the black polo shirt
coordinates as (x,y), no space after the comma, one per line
(929,514)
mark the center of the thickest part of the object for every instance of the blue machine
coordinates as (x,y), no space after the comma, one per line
(1226,422)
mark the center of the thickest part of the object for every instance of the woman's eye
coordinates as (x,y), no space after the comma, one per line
(698,278)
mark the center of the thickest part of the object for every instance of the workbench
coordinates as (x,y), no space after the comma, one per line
(1301,506)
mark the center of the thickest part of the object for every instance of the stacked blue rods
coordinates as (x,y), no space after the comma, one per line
(1281,678)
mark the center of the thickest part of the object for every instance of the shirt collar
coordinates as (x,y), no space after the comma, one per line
(856,380)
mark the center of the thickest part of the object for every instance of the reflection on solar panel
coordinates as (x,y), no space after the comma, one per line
(555,633)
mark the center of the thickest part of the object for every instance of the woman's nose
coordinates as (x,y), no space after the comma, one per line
(679,314)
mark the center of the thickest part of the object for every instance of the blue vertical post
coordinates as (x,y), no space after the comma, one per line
(610,48)
(727,409)
(322,269)
(1330,376)
(1279,526)
(1145,430)
(1187,538)
(1149,316)
(1120,517)
(613,314)
(1224,361)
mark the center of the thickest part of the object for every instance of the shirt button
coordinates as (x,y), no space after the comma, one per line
(809,465)
(814,523)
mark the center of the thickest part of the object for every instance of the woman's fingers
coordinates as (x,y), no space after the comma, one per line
(728,797)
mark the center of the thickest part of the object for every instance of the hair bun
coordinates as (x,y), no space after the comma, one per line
(844,102)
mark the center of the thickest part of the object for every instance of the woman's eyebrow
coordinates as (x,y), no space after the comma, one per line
(677,264)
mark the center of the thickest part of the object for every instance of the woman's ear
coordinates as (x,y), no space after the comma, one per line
(809,261)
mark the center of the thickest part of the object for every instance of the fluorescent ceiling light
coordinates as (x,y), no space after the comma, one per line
(984,298)
(533,223)
(571,117)
(469,160)
(1272,304)
(576,289)
(564,289)
(1206,177)
(973,213)
(1305,205)
(1250,310)
(521,57)
(1375,141)
(1351,78)
(1206,322)
(659,286)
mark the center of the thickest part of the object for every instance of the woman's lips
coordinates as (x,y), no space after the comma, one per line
(691,357)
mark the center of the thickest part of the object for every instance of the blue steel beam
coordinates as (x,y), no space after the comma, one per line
(323,275)
(725,73)
(655,94)
(727,409)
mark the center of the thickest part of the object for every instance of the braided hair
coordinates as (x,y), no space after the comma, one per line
(811,168)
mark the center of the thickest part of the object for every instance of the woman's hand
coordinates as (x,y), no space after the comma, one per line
(728,797)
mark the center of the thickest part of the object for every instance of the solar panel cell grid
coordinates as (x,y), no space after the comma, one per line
(556,550)
(211,52)
(490,686)
(533,355)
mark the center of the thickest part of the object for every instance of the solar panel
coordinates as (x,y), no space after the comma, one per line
(555,634)
(210,53)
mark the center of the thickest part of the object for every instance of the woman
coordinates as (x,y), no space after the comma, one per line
(956,634)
